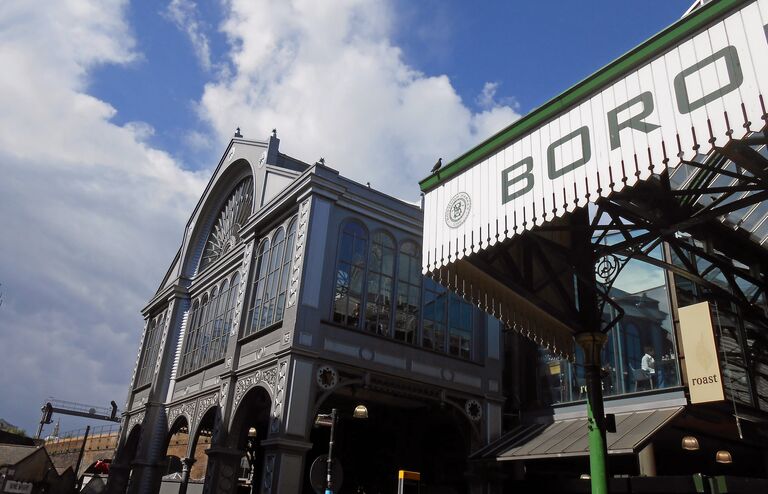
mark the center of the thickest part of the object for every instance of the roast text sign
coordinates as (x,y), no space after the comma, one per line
(701,363)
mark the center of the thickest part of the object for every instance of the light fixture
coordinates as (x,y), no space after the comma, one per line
(585,476)
(723,456)
(690,443)
(252,432)
(361,412)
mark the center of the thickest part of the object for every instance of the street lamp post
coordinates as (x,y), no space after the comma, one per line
(329,420)
(328,475)
(251,454)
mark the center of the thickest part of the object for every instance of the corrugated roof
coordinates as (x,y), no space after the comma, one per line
(563,438)
(11,454)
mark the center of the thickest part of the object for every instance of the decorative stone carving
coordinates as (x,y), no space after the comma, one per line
(277,409)
(223,392)
(205,403)
(298,252)
(270,377)
(244,269)
(186,409)
(242,385)
(134,420)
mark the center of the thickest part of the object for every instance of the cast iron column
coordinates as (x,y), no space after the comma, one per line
(592,343)
(186,466)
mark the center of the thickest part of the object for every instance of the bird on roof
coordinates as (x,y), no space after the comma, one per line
(437,165)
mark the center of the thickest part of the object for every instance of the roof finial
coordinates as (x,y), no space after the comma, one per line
(237,132)
(274,132)
(321,161)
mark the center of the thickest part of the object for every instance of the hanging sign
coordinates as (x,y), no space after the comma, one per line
(693,87)
(705,381)
(18,487)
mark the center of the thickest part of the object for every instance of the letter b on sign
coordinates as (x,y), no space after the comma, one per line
(507,180)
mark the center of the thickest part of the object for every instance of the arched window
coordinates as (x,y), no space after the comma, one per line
(226,228)
(272,268)
(261,268)
(229,314)
(408,292)
(217,330)
(273,277)
(194,337)
(207,329)
(350,274)
(209,323)
(151,349)
(381,273)
(285,271)
(192,322)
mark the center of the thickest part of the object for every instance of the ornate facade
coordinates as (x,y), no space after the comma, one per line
(295,291)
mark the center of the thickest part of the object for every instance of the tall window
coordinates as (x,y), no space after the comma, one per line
(435,298)
(208,324)
(151,349)
(381,273)
(261,265)
(272,269)
(350,274)
(447,325)
(408,293)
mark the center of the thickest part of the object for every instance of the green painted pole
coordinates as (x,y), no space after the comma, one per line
(592,343)
(597,447)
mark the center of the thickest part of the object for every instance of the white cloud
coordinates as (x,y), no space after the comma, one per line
(184,14)
(327,75)
(91,215)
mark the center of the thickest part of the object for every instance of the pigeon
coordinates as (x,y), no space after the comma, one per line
(437,165)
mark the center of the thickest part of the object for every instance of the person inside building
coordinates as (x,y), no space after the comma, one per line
(648,364)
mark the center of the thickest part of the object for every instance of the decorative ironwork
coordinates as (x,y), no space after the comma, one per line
(607,268)
(225,232)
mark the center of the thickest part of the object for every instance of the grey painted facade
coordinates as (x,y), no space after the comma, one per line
(277,377)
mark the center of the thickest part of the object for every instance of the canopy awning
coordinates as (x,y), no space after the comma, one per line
(564,438)
(687,91)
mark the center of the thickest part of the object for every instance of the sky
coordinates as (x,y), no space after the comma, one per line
(113,115)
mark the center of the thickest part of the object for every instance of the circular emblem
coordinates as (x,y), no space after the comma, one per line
(327,377)
(474,410)
(458,210)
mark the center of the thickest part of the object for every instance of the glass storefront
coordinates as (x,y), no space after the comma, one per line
(641,353)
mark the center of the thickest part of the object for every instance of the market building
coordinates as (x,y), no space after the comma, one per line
(620,229)
(296,292)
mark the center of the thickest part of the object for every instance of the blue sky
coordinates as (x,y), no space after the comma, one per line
(115,113)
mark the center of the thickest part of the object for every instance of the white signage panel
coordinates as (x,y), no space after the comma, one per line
(695,96)
(705,381)
(17,487)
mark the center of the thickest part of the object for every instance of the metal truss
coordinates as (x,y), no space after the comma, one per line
(702,209)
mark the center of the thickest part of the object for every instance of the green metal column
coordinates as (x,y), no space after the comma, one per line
(592,343)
